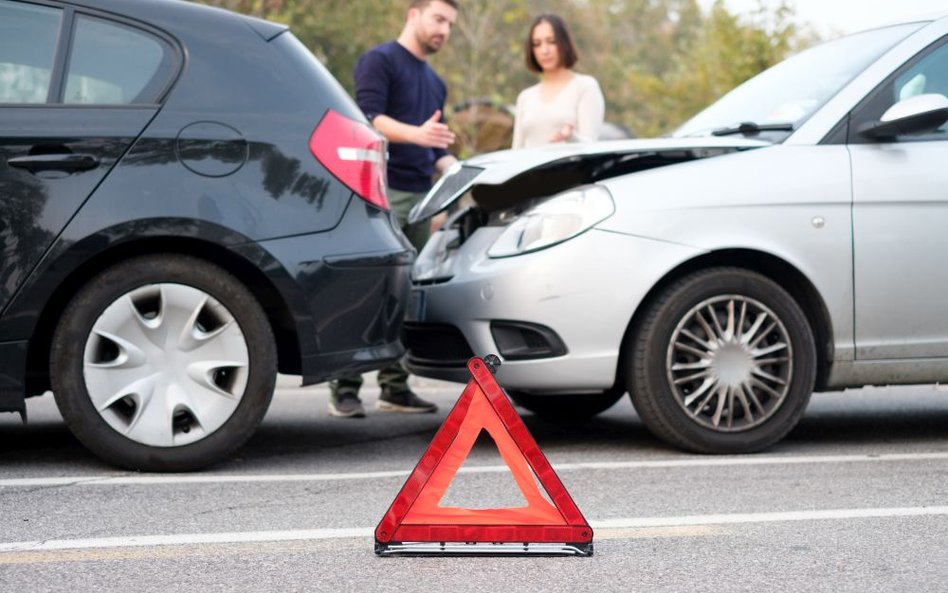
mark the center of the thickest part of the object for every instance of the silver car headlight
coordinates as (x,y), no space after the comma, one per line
(558,219)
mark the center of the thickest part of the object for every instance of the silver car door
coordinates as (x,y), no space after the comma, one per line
(900,223)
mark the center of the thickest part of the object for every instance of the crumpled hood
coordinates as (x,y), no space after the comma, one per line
(556,167)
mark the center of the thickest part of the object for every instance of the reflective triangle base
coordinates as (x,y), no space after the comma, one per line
(482,549)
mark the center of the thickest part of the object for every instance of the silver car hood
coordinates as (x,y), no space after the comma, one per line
(534,172)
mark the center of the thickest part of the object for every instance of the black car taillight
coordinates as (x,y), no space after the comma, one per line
(354,153)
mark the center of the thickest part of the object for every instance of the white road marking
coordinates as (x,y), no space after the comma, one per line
(771,517)
(696,461)
(367,532)
(138,480)
(186,539)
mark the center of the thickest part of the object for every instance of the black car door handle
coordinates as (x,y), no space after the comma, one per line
(69,163)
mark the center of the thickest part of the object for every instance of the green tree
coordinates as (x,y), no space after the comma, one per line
(658,61)
(725,52)
(628,43)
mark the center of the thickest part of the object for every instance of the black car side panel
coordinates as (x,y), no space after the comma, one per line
(232,139)
(358,278)
(40,192)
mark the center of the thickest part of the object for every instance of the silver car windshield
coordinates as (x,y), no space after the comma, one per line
(785,95)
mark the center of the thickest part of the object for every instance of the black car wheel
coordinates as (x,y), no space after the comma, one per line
(723,361)
(163,363)
(566,408)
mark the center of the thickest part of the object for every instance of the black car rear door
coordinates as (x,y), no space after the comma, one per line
(76,90)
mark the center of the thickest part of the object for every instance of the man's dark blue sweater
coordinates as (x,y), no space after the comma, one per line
(390,81)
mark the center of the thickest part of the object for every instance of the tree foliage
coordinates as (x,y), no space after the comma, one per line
(658,61)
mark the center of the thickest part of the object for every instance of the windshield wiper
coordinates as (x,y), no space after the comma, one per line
(749,128)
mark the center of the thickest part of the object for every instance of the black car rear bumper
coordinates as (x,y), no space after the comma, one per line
(348,305)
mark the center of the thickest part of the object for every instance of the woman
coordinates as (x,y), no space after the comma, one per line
(564,106)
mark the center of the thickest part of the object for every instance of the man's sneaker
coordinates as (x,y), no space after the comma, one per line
(346,405)
(403,401)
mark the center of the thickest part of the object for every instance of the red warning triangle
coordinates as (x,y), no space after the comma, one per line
(416,516)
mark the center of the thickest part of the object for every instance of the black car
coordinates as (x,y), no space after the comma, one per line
(189,203)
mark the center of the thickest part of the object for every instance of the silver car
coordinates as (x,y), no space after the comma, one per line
(791,238)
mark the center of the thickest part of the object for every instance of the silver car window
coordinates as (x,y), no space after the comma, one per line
(926,73)
(929,75)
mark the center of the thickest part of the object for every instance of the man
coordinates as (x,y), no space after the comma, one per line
(404,99)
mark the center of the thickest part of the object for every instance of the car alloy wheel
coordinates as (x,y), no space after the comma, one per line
(721,360)
(730,363)
(163,363)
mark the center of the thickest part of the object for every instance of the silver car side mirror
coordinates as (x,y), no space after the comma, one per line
(915,115)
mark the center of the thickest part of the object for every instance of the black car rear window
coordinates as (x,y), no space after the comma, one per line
(113,64)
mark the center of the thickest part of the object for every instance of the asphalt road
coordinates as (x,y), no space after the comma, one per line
(855,499)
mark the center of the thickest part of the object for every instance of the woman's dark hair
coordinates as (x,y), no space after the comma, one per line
(564,42)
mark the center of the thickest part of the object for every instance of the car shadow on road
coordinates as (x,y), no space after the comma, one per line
(43,443)
(872,417)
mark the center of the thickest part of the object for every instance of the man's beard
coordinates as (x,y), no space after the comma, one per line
(427,46)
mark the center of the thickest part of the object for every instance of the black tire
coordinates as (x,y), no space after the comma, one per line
(198,355)
(571,408)
(702,389)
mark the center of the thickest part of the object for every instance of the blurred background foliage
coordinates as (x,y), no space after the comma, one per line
(658,61)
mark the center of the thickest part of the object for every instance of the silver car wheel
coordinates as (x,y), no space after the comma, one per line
(166,365)
(729,363)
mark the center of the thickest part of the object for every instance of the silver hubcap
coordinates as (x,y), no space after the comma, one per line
(166,365)
(729,363)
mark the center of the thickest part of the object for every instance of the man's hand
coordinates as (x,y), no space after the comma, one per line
(433,133)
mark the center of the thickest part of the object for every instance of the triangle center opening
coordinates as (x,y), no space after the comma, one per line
(476,488)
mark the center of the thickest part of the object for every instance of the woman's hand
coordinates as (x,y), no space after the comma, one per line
(564,134)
